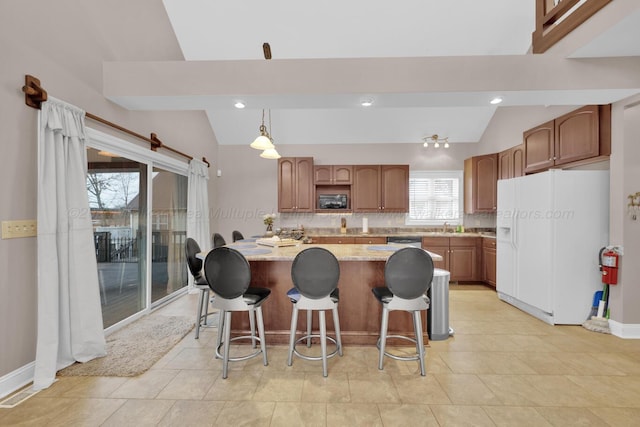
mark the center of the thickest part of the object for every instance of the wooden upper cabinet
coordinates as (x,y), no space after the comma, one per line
(539,144)
(511,162)
(582,134)
(504,164)
(333,174)
(395,188)
(481,184)
(517,161)
(576,135)
(366,188)
(380,188)
(322,174)
(295,184)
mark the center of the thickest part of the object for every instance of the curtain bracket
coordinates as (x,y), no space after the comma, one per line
(34,94)
(155,142)
(204,159)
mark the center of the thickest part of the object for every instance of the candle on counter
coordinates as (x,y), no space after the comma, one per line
(365,225)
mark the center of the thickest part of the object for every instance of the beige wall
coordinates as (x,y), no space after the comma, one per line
(507,124)
(248,185)
(625,180)
(68,59)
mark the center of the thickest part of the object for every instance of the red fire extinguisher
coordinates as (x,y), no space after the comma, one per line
(609,260)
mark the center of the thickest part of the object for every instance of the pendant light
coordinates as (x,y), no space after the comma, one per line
(270,153)
(263,141)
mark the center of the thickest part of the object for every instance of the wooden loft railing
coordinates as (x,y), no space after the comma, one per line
(557,18)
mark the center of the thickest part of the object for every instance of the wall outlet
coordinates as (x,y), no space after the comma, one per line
(20,228)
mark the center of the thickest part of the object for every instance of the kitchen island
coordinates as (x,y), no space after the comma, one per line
(361,269)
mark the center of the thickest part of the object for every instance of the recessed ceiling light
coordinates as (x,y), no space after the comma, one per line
(367,103)
(496,100)
(239,105)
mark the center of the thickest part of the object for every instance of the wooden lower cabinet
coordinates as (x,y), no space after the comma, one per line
(358,240)
(460,256)
(333,240)
(489,261)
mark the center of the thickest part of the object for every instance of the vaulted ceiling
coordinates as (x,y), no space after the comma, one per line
(427,66)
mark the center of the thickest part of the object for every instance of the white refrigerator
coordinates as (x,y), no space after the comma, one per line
(550,227)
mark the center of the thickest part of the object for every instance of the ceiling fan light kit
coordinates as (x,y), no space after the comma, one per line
(436,140)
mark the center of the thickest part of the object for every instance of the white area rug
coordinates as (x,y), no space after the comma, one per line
(135,348)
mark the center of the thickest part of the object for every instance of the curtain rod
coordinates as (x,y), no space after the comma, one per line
(35,95)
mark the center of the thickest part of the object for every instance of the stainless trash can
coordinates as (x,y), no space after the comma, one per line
(438,313)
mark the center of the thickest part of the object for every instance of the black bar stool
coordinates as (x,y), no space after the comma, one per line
(408,273)
(229,275)
(191,249)
(315,273)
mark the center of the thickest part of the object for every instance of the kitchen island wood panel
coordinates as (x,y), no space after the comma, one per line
(360,313)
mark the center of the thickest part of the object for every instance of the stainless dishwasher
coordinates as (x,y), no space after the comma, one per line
(415,241)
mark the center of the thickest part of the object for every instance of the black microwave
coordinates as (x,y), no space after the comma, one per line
(332,201)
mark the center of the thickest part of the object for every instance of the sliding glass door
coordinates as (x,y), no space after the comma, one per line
(138,204)
(168,233)
(117,189)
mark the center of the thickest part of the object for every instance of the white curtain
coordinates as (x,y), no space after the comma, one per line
(198,206)
(69,313)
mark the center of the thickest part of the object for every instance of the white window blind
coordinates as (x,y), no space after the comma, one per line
(435,197)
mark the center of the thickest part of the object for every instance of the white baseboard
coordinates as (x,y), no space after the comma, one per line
(535,312)
(622,330)
(17,379)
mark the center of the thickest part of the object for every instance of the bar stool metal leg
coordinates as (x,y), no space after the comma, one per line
(292,334)
(417,326)
(383,336)
(221,323)
(309,323)
(202,306)
(263,344)
(227,343)
(323,341)
(252,324)
(336,325)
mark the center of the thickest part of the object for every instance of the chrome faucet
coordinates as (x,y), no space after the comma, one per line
(445,228)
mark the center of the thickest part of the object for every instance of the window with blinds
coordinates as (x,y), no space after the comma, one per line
(434,198)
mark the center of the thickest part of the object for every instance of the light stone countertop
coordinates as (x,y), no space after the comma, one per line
(344,252)
(403,234)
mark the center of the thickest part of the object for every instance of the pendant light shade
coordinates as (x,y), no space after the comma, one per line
(262,142)
(270,153)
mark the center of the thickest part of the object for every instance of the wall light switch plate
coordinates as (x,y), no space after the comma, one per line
(19,228)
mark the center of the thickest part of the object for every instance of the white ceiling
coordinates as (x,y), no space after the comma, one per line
(231,30)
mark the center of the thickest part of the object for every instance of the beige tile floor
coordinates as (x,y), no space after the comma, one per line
(502,367)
